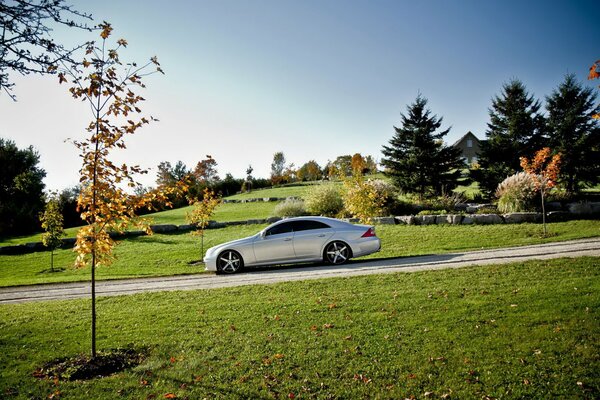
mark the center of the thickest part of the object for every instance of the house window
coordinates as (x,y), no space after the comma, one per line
(469,142)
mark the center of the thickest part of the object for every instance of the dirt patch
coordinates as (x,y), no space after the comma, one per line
(84,367)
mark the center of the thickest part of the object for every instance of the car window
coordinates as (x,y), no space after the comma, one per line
(285,227)
(307,224)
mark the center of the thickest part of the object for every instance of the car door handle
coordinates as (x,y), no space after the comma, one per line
(321,235)
(287,239)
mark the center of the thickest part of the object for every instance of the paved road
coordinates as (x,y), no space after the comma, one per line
(576,248)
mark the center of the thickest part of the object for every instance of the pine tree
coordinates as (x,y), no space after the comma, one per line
(515,130)
(574,133)
(417,159)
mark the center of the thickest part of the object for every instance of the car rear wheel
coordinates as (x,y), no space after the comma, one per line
(229,262)
(337,253)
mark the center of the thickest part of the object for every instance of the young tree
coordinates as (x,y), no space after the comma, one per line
(544,168)
(277,168)
(52,223)
(201,213)
(21,189)
(206,171)
(26,43)
(574,133)
(417,159)
(515,130)
(595,74)
(108,86)
(249,178)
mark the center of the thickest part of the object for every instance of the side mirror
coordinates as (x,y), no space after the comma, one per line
(263,234)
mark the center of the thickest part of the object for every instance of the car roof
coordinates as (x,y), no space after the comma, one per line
(326,220)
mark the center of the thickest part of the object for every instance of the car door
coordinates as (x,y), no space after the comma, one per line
(309,238)
(276,245)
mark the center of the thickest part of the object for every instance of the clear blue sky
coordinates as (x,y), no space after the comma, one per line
(314,79)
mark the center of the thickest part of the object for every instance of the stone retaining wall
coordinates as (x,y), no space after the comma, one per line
(451,219)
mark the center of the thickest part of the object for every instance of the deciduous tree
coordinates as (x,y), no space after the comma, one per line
(544,168)
(201,213)
(574,133)
(417,159)
(52,223)
(26,42)
(21,189)
(515,130)
(277,168)
(108,86)
(595,74)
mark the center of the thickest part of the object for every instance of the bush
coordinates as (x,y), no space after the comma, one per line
(324,199)
(362,199)
(290,208)
(516,193)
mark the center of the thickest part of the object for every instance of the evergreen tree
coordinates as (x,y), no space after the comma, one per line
(515,130)
(417,159)
(574,133)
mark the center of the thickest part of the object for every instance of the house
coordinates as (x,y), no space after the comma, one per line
(469,147)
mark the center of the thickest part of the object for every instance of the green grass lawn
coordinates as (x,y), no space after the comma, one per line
(524,330)
(161,255)
(223,213)
(298,190)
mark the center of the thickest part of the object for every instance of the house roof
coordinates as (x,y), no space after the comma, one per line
(465,136)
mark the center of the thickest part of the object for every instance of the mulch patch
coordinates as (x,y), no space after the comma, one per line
(84,367)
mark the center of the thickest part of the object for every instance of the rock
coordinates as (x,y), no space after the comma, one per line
(467,220)
(186,227)
(256,221)
(454,219)
(215,225)
(384,220)
(428,219)
(405,219)
(486,219)
(519,218)
(167,228)
(558,216)
(272,220)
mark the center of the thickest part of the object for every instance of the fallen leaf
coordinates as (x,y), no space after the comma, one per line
(526,381)
(172,360)
(170,396)
(279,356)
(332,305)
(313,327)
(328,326)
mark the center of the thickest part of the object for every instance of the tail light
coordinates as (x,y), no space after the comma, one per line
(369,233)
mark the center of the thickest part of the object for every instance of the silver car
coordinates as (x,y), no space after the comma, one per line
(295,240)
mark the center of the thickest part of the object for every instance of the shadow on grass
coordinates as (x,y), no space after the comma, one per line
(52,271)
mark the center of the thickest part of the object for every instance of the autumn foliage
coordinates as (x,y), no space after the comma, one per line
(595,74)
(544,168)
(105,204)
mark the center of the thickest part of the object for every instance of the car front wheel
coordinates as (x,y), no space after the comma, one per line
(229,262)
(337,253)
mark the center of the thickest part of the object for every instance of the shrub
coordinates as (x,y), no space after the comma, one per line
(290,208)
(361,199)
(325,199)
(516,193)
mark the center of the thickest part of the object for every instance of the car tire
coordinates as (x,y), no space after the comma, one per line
(229,262)
(337,253)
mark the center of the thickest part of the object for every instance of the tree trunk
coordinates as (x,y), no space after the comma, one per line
(543,212)
(94,302)
(52,260)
